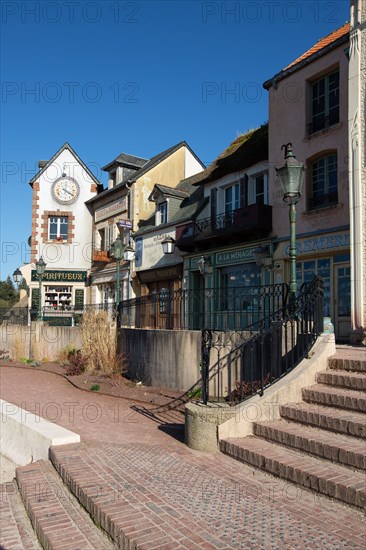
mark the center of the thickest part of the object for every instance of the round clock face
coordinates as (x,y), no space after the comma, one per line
(65,190)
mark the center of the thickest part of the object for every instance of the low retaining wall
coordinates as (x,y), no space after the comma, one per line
(25,437)
(167,358)
(38,341)
(206,425)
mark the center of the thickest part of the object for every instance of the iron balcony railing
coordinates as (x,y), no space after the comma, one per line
(237,365)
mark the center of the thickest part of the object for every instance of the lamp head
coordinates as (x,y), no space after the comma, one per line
(291,176)
(117,249)
(40,266)
(17,276)
(168,245)
(129,254)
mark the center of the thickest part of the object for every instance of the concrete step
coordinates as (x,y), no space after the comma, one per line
(16,532)
(343,449)
(326,418)
(57,518)
(341,378)
(328,479)
(335,397)
(349,358)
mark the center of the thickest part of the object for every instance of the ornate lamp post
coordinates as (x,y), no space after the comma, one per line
(129,257)
(291,177)
(40,267)
(117,251)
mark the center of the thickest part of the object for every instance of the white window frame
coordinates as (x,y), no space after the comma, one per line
(58,231)
(159,217)
(234,204)
(252,192)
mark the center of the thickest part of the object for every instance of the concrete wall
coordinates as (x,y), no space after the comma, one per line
(26,438)
(38,341)
(166,358)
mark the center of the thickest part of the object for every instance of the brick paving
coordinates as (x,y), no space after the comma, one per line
(16,531)
(147,488)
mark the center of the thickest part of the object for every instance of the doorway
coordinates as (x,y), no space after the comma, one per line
(342,301)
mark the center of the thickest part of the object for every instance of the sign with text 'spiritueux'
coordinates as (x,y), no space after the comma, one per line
(61,276)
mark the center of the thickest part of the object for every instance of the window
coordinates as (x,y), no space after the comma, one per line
(324,182)
(232,198)
(306,271)
(324,103)
(58,228)
(105,237)
(162,213)
(258,189)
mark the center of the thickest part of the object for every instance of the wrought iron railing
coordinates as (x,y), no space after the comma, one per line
(14,316)
(215,309)
(237,365)
(216,223)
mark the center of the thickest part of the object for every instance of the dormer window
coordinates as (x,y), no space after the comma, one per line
(162,213)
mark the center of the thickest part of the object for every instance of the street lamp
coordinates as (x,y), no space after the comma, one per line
(291,177)
(168,245)
(117,251)
(129,257)
(17,276)
(203,264)
(40,268)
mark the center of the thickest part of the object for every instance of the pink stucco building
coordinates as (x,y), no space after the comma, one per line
(308,106)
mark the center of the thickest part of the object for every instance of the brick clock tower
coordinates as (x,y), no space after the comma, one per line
(61,234)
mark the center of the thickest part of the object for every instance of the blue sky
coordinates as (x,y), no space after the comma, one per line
(137,76)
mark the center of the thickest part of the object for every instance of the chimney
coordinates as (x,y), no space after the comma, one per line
(42,164)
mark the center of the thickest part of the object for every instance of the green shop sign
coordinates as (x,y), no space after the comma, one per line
(234,256)
(61,276)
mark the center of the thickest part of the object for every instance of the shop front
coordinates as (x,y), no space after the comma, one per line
(160,303)
(328,256)
(62,295)
(228,288)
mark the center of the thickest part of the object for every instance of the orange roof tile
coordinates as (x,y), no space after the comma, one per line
(322,43)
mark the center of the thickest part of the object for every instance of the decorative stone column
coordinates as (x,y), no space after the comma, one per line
(357,168)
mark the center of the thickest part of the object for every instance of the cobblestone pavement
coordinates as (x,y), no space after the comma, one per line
(188,499)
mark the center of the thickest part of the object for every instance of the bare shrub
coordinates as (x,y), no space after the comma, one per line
(19,347)
(99,344)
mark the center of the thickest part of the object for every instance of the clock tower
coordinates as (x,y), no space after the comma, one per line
(61,234)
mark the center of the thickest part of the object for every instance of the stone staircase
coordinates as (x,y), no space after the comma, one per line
(58,519)
(319,443)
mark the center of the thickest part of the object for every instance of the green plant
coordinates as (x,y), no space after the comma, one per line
(95,387)
(25,360)
(197,392)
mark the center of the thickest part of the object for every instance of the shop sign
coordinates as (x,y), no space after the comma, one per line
(111,209)
(161,274)
(61,276)
(319,244)
(234,256)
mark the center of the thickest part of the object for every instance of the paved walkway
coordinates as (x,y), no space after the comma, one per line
(190,499)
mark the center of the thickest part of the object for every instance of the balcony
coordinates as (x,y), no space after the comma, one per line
(246,223)
(100,255)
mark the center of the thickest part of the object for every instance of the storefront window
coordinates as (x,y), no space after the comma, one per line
(306,271)
(237,283)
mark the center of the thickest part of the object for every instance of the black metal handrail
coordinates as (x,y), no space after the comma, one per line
(265,352)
